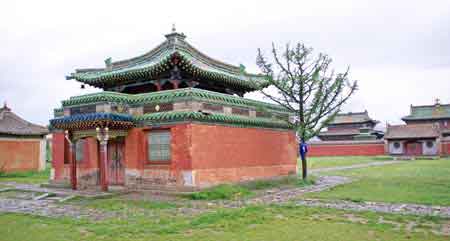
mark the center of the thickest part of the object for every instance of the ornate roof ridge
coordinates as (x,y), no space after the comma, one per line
(430,106)
(188,92)
(241,121)
(353,117)
(353,113)
(425,112)
(92,120)
(171,47)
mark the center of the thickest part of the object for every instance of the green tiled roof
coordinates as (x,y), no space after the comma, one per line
(170,96)
(427,112)
(158,60)
(352,118)
(239,121)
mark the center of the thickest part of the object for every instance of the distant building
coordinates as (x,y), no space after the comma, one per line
(22,144)
(426,133)
(351,126)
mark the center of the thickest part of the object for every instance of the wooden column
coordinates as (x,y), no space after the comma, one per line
(104,165)
(73,166)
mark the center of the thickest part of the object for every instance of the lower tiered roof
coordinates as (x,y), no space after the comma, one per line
(264,115)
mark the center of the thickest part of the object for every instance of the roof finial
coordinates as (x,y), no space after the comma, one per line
(437,101)
(174,29)
(5,106)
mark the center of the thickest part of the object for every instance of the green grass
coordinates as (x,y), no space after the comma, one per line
(328,161)
(118,204)
(27,177)
(420,181)
(229,191)
(250,223)
(224,191)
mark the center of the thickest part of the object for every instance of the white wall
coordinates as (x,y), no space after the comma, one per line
(395,151)
(433,150)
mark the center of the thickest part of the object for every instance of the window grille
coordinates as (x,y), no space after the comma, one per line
(159,146)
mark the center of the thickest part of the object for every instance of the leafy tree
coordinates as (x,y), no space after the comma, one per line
(307,86)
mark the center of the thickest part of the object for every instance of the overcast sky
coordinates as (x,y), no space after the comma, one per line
(399,51)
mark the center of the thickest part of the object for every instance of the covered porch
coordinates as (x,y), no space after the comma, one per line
(93,149)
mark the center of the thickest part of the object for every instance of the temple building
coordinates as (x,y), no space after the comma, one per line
(171,118)
(426,133)
(352,126)
(22,144)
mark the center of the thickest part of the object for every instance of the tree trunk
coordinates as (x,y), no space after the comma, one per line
(304,167)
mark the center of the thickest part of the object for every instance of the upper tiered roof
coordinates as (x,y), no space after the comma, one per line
(174,51)
(352,118)
(428,130)
(429,112)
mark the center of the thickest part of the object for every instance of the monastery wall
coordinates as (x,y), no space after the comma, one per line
(21,154)
(229,154)
(141,173)
(445,147)
(347,148)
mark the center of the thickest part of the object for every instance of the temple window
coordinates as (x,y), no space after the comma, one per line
(79,150)
(159,145)
(430,144)
(396,145)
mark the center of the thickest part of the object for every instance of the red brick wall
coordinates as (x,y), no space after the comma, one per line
(61,151)
(446,148)
(19,154)
(136,144)
(215,153)
(225,154)
(136,148)
(347,149)
(90,154)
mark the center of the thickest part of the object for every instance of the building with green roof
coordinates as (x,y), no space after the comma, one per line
(173,118)
(351,126)
(426,133)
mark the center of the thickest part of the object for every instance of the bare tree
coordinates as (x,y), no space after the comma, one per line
(307,86)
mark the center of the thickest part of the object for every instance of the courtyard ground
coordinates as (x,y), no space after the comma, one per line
(336,161)
(419,181)
(287,212)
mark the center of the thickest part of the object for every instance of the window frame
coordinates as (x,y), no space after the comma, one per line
(148,146)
